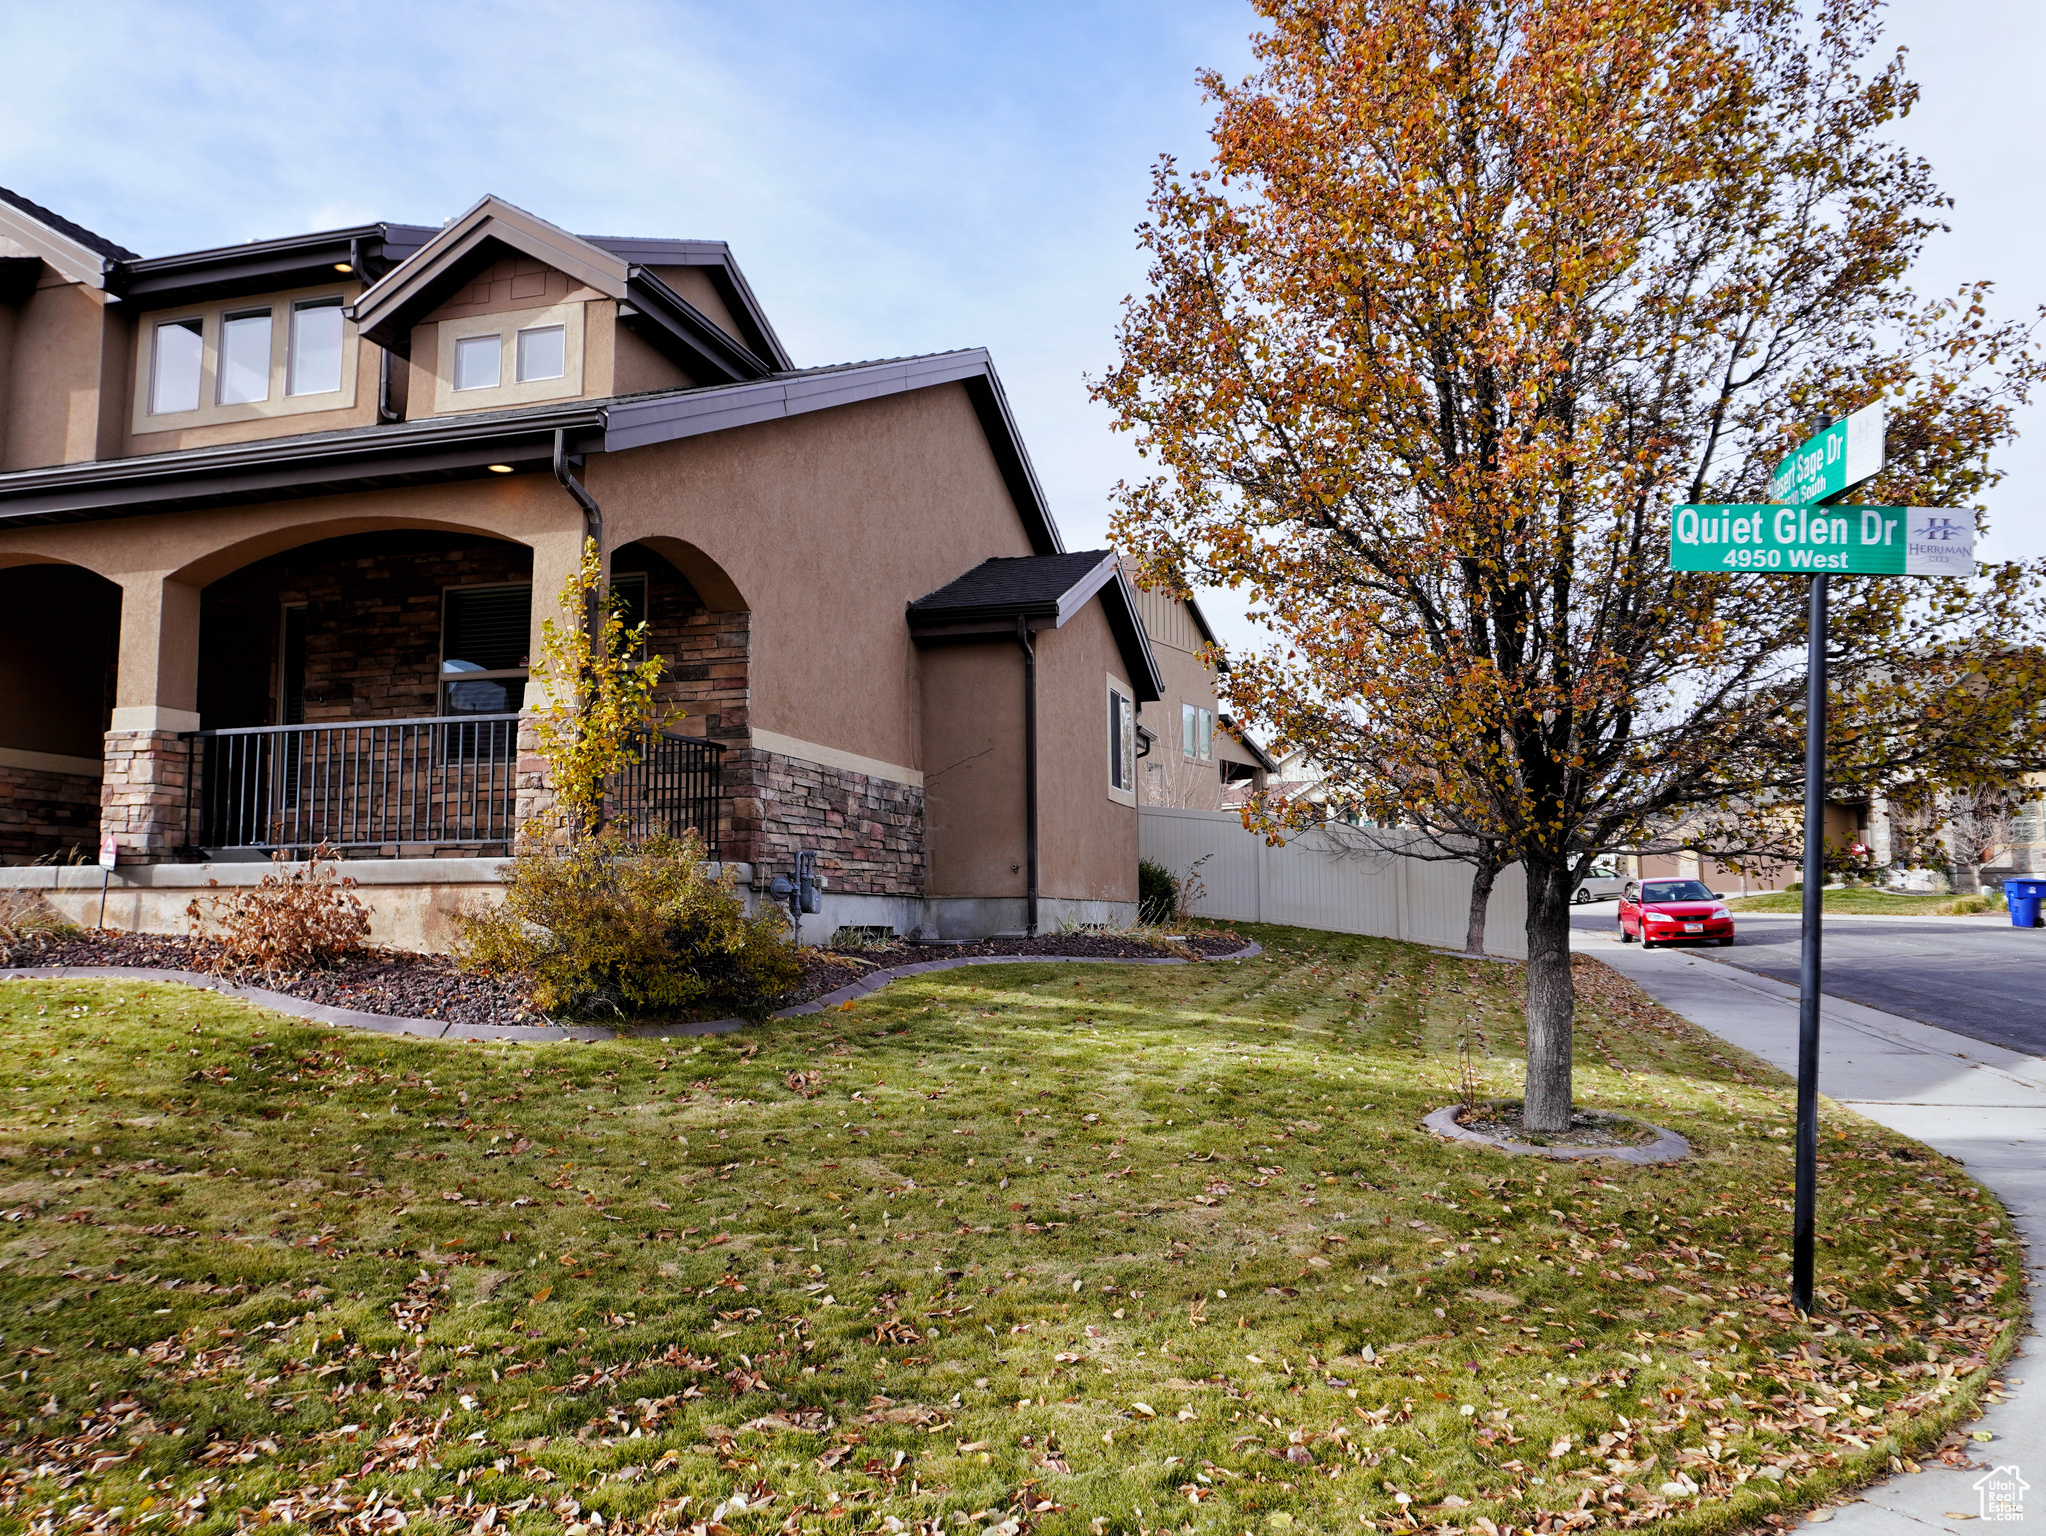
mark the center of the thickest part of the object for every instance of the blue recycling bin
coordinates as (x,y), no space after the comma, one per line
(2023,897)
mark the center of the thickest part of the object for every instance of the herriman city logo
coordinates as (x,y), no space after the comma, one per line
(1939,528)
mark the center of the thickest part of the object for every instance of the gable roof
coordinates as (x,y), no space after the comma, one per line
(64,227)
(395,302)
(1031,592)
(1051,587)
(71,248)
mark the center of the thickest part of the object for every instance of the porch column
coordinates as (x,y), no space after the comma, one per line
(156,697)
(555,556)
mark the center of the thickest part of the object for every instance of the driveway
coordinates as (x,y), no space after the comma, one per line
(1976,976)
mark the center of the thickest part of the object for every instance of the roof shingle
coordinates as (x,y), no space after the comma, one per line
(64,226)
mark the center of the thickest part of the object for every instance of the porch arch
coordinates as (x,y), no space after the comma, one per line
(59,638)
(712,582)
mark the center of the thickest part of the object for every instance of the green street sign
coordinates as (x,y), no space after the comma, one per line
(1808,541)
(1846,453)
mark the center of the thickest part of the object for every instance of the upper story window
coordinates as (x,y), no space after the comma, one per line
(479,361)
(1197,732)
(313,358)
(174,374)
(510,357)
(542,353)
(238,361)
(245,357)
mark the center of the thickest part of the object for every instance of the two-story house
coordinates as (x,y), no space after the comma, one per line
(279,523)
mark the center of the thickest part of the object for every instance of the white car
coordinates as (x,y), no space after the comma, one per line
(1601,883)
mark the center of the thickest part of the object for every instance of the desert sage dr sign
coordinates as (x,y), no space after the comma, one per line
(1811,541)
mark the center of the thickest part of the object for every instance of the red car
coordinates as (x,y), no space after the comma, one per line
(1673,912)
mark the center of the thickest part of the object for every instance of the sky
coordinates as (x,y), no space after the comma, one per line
(895,178)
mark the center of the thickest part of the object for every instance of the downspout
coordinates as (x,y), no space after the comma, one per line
(385,415)
(1029,767)
(593,515)
(593,529)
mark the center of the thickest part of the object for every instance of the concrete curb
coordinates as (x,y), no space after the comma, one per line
(545,1034)
(1667,1147)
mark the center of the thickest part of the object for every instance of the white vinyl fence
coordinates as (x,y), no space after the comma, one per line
(1334,877)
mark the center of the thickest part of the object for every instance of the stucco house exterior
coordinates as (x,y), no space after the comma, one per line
(279,523)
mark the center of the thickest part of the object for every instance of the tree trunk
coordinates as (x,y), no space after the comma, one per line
(1485,871)
(1551,995)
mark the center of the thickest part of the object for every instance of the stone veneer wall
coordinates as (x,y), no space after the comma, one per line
(142,797)
(46,812)
(868,832)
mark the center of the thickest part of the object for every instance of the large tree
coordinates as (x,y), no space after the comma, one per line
(1474,291)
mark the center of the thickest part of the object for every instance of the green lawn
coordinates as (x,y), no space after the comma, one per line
(1865,901)
(1032,1247)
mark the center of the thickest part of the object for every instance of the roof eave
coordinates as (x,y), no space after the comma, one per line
(279,468)
(685,334)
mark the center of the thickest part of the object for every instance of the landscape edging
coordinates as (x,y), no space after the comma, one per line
(1667,1147)
(441,1029)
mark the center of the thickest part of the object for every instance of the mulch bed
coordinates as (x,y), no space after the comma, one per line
(1586,1130)
(402,984)
(394,982)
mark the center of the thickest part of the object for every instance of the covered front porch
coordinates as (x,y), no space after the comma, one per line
(369,692)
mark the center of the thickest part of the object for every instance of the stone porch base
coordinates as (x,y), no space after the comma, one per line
(413,902)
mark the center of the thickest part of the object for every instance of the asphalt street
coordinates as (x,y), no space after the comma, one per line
(1977,976)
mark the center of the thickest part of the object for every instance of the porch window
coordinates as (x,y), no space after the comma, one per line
(484,634)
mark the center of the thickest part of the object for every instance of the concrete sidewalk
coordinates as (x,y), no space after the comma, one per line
(1980,1104)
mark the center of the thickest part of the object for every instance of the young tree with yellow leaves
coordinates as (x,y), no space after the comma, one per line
(1474,292)
(600,710)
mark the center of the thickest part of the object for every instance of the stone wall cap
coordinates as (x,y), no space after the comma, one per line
(159,877)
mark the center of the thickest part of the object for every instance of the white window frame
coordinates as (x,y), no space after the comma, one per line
(1121,720)
(292,311)
(154,330)
(210,412)
(1196,721)
(518,351)
(267,313)
(480,347)
(506,324)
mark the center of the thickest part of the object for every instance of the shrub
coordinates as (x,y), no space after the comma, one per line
(26,918)
(1157,893)
(305,917)
(609,927)
(1965,906)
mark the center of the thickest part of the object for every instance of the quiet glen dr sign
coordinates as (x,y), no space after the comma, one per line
(1864,541)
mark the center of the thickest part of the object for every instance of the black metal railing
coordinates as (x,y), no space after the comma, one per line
(673,788)
(444,782)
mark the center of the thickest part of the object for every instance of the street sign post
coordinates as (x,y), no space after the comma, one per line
(1802,531)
